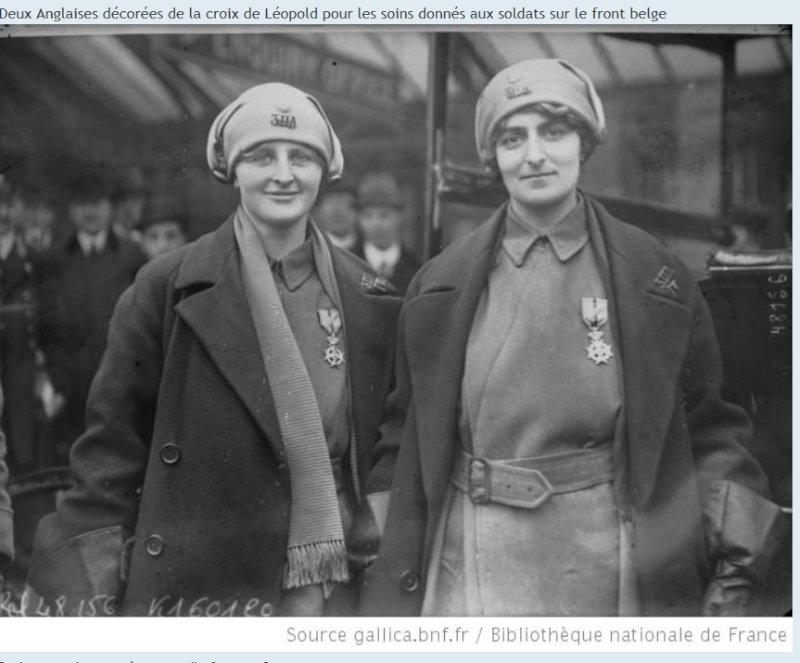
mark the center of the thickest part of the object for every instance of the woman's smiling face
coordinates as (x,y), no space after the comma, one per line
(539,159)
(278,182)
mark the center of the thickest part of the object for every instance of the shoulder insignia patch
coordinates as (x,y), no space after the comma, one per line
(665,280)
(376,285)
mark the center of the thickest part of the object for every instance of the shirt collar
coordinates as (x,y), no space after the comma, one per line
(380,257)
(347,242)
(295,267)
(568,237)
(7,241)
(96,242)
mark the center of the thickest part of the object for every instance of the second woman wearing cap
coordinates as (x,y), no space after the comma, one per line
(557,439)
(231,422)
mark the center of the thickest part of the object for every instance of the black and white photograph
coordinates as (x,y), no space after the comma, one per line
(396,322)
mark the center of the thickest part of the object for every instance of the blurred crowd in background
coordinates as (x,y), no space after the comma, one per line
(64,264)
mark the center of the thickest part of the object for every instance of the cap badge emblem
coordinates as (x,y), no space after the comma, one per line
(284,121)
(517,89)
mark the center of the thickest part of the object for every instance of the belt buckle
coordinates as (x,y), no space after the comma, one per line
(479,481)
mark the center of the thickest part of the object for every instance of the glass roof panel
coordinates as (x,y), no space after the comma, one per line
(761,55)
(631,62)
(516,46)
(692,64)
(105,68)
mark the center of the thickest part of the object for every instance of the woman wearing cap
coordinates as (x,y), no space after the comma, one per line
(231,422)
(557,438)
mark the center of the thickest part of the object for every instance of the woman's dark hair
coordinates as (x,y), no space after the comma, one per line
(555,112)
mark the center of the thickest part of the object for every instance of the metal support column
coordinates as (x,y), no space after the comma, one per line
(438,68)
(729,94)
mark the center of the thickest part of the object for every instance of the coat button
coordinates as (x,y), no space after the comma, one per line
(409,582)
(154,545)
(170,453)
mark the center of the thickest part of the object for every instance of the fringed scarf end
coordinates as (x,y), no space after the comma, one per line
(320,563)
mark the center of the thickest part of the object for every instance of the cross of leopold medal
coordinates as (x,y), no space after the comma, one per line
(595,315)
(331,322)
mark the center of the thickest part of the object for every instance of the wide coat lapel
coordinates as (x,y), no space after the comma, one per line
(655,328)
(437,322)
(370,328)
(216,310)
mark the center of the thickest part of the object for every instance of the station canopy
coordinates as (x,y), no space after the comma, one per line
(144,98)
(164,77)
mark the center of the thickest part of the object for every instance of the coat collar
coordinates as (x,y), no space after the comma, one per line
(438,321)
(207,258)
(653,322)
(215,308)
(650,293)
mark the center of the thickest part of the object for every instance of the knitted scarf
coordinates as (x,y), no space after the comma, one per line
(316,552)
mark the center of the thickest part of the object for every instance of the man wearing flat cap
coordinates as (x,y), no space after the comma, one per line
(380,216)
(556,444)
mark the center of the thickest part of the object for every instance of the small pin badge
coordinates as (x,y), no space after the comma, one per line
(665,280)
(331,322)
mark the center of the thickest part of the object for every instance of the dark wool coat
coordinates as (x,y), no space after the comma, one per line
(6,512)
(20,283)
(678,435)
(79,297)
(182,484)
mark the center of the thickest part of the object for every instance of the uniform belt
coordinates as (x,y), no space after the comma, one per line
(529,482)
